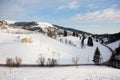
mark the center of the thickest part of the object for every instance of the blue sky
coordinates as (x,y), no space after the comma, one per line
(95,16)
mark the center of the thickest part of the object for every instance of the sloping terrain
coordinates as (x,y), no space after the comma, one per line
(114,45)
(11,46)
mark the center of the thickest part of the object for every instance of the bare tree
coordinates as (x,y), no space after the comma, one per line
(10,62)
(49,33)
(61,40)
(66,41)
(41,60)
(51,62)
(75,61)
(18,61)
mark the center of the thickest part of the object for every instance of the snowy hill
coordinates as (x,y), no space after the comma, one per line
(11,46)
(72,30)
(44,25)
(10,22)
(114,45)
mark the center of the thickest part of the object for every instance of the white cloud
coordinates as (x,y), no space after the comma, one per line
(14,12)
(23,9)
(71,5)
(109,15)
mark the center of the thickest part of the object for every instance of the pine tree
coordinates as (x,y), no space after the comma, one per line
(119,45)
(82,41)
(65,33)
(76,35)
(73,34)
(117,50)
(102,41)
(97,58)
(90,42)
(96,40)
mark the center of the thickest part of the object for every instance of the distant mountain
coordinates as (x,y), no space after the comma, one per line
(44,25)
(73,30)
(110,37)
(38,26)
(25,23)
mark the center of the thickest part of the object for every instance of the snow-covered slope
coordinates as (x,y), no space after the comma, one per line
(114,45)
(44,25)
(10,22)
(12,46)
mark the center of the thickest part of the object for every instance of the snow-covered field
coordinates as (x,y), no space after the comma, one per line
(12,46)
(114,45)
(61,73)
